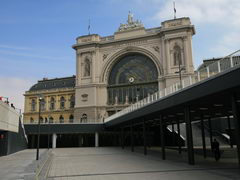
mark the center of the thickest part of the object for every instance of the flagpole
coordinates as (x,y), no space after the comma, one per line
(89,27)
(174,9)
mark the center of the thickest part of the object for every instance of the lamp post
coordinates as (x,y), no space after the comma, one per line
(180,69)
(48,131)
(39,113)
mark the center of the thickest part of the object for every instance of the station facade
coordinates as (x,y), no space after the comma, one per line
(115,71)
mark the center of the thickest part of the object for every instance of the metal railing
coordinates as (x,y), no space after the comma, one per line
(217,67)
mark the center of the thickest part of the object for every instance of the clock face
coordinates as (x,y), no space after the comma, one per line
(131,79)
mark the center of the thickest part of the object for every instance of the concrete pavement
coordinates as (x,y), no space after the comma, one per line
(13,166)
(115,163)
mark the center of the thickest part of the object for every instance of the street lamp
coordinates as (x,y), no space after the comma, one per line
(48,131)
(180,69)
(40,98)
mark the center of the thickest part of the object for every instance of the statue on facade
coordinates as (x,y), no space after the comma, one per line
(131,24)
(87,67)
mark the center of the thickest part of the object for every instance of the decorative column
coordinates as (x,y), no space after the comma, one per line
(54,140)
(96,139)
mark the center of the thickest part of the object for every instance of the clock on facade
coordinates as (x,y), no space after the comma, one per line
(131,79)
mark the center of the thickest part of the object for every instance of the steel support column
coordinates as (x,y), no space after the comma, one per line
(236,115)
(132,138)
(210,132)
(203,138)
(122,137)
(162,126)
(229,128)
(189,136)
(144,137)
(173,133)
(179,137)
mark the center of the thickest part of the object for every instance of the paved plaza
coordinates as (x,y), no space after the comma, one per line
(118,164)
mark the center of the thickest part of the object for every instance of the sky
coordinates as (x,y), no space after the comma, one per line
(36,37)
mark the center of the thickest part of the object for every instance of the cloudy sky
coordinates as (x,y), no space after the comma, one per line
(36,36)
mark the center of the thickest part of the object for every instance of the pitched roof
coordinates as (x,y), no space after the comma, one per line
(45,84)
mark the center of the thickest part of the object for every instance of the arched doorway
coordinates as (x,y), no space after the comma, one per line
(132,78)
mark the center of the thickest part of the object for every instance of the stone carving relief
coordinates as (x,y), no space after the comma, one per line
(156,48)
(105,56)
(84,97)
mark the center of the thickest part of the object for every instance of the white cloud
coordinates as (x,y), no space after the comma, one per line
(14,88)
(223,14)
(204,11)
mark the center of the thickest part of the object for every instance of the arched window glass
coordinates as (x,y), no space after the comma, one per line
(62,102)
(46,120)
(71,118)
(52,103)
(61,119)
(50,119)
(132,78)
(31,120)
(87,67)
(33,105)
(84,118)
(72,101)
(177,55)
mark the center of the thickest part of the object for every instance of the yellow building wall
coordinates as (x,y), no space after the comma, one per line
(47,112)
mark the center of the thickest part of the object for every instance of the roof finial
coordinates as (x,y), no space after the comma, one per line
(130,17)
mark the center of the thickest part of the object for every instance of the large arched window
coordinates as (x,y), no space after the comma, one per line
(52,103)
(33,105)
(132,78)
(62,102)
(177,57)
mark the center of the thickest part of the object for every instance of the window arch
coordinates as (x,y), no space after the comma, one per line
(72,101)
(42,104)
(71,117)
(61,119)
(177,57)
(62,102)
(52,103)
(50,119)
(87,67)
(33,105)
(84,118)
(41,119)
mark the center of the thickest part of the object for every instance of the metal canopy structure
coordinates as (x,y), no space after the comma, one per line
(216,96)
